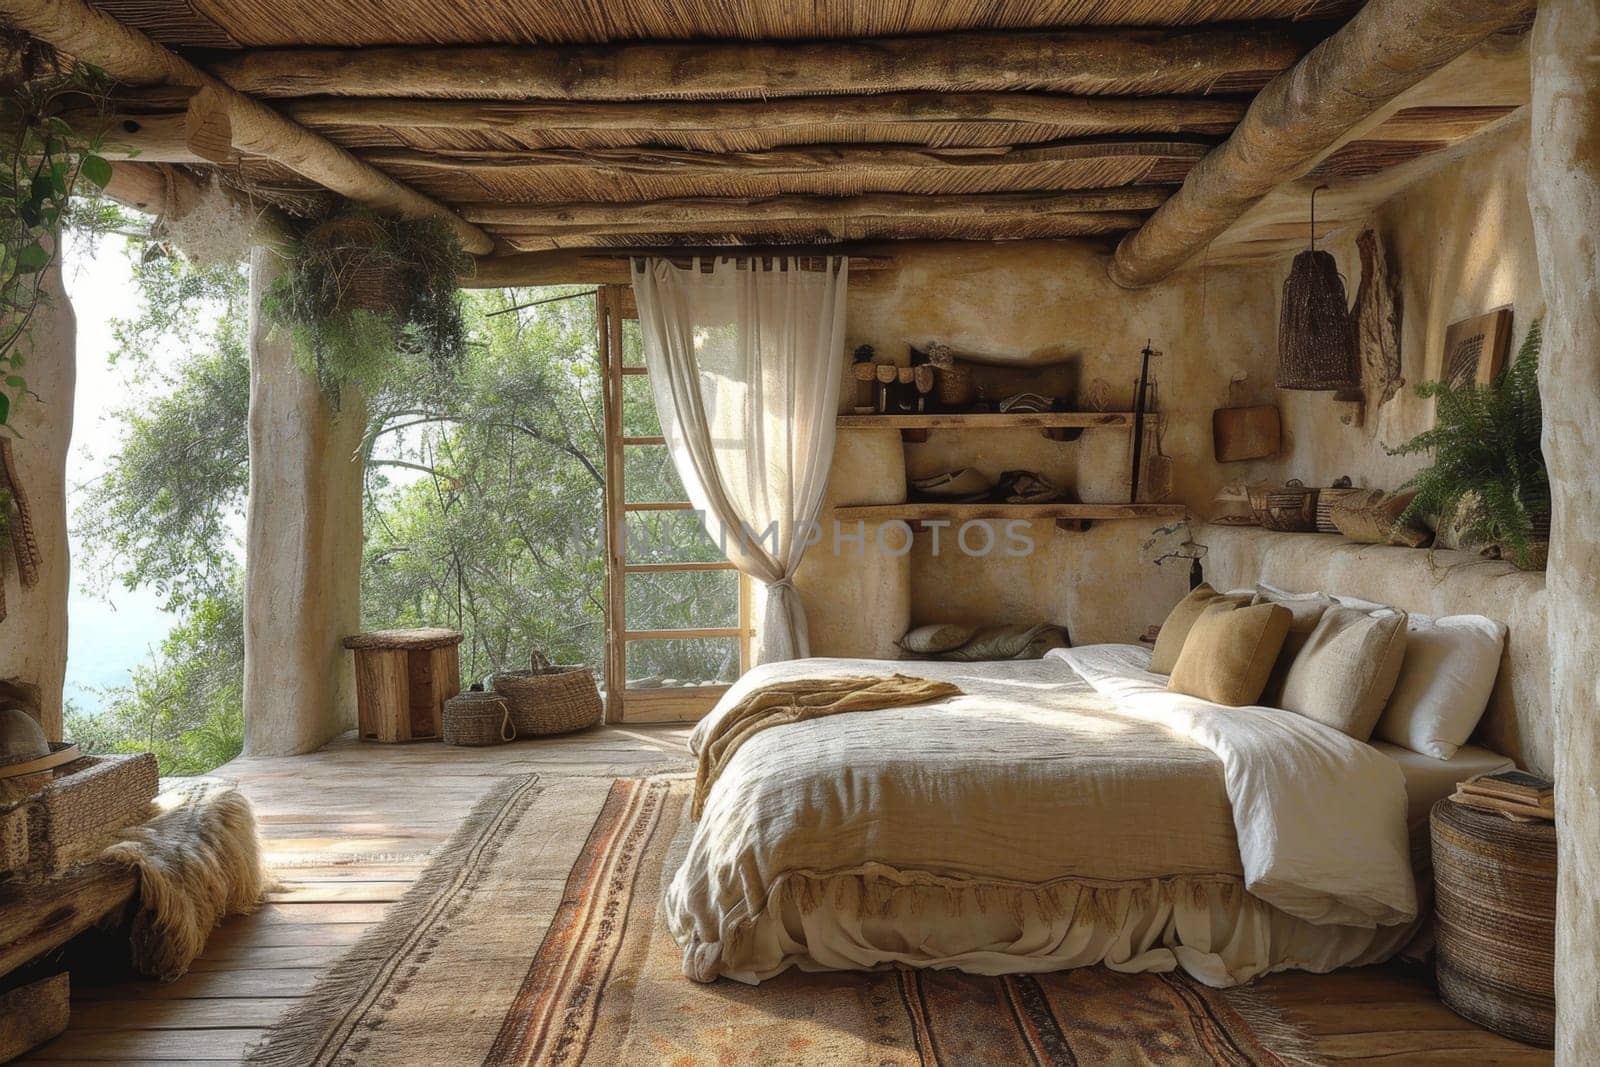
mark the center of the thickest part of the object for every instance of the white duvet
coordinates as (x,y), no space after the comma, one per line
(1320,817)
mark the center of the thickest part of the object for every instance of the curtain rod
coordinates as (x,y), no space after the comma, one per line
(857,263)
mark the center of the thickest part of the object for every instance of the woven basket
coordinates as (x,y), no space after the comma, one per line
(1495,883)
(71,818)
(549,699)
(368,279)
(1290,509)
(1327,500)
(476,718)
(954,385)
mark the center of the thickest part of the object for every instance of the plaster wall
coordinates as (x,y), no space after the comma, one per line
(1032,304)
(33,637)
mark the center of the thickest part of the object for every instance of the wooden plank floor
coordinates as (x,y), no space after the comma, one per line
(346,829)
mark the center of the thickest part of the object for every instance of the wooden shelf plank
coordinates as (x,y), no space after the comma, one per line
(1027,420)
(917,511)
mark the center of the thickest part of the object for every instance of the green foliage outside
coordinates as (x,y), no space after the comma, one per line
(1488,465)
(484,509)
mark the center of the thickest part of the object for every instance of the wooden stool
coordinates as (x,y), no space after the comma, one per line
(403,678)
(1495,897)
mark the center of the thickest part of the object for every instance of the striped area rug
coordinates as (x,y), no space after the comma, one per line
(534,939)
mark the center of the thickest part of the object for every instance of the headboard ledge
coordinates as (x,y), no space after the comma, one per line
(1519,721)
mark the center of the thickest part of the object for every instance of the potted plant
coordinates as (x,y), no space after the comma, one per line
(364,294)
(1488,474)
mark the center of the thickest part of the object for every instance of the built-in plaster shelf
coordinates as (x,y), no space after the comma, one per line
(1066,516)
(1057,425)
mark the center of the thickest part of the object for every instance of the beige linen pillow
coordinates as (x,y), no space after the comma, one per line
(1307,609)
(1343,676)
(1230,652)
(1169,643)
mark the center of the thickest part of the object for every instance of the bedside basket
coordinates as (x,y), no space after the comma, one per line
(1495,889)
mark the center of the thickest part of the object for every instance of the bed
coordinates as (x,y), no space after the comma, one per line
(1057,813)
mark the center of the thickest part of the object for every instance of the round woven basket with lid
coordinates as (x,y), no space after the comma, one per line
(476,718)
(549,698)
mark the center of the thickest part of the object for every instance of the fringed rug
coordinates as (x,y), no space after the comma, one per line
(534,939)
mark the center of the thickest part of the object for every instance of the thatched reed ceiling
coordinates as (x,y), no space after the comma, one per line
(597,111)
(269,23)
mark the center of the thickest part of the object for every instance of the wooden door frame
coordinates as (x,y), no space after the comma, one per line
(613,305)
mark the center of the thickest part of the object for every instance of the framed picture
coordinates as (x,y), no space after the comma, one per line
(1475,349)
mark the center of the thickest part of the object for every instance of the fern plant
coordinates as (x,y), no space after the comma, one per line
(1488,471)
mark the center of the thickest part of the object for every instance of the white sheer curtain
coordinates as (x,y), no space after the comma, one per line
(745,362)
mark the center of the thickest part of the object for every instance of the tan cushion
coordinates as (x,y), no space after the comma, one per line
(1176,629)
(1343,676)
(936,637)
(1230,652)
(1307,609)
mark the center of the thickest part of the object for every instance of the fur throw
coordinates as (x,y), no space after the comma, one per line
(199,861)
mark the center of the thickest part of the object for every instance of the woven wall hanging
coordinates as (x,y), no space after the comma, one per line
(1316,336)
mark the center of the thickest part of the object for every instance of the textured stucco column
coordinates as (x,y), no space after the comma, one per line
(302,546)
(33,638)
(1564,188)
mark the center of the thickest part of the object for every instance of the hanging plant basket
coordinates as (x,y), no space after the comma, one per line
(367,277)
(1317,348)
(372,300)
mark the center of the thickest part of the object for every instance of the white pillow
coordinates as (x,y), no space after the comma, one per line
(1449,671)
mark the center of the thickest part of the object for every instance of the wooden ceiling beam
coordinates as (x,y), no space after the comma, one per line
(617,163)
(540,119)
(1063,224)
(705,213)
(1136,61)
(571,266)
(128,56)
(1387,48)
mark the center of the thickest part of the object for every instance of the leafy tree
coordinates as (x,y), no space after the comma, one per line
(186,703)
(165,513)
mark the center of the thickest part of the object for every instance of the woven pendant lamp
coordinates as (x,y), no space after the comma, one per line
(1317,347)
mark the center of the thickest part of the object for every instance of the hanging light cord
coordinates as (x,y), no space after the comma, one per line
(1314,192)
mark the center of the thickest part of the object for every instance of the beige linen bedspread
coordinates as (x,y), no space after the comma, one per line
(786,703)
(1024,793)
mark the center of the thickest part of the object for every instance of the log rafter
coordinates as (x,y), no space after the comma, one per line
(540,118)
(1388,47)
(1138,61)
(701,214)
(797,160)
(129,56)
